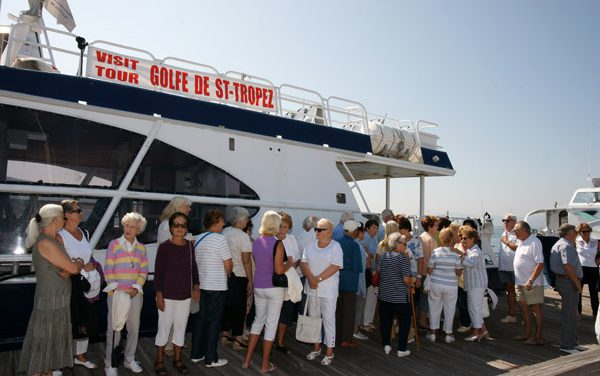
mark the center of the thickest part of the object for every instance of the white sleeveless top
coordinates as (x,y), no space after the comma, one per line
(587,251)
(76,248)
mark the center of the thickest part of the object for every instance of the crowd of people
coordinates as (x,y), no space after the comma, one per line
(234,288)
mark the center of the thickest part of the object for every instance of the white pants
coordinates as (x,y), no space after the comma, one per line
(174,316)
(325,307)
(267,303)
(475,304)
(370,305)
(442,297)
(81,346)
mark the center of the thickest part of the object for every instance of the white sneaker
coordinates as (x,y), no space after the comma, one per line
(111,371)
(463,329)
(387,349)
(569,351)
(450,338)
(197,360)
(430,337)
(580,348)
(411,339)
(133,367)
(56,372)
(509,319)
(403,353)
(359,335)
(218,363)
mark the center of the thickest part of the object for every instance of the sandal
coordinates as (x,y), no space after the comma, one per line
(327,360)
(160,369)
(270,369)
(313,355)
(282,349)
(179,366)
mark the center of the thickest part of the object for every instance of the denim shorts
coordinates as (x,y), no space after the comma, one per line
(506,276)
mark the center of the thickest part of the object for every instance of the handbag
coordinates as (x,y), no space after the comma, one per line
(486,306)
(308,329)
(427,285)
(279,280)
(375,277)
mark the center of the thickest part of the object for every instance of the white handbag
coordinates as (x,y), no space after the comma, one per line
(308,329)
(486,306)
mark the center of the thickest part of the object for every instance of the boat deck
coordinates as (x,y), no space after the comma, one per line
(501,355)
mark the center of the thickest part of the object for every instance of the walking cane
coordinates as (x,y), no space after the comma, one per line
(414,317)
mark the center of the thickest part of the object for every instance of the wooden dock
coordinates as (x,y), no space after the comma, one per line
(501,355)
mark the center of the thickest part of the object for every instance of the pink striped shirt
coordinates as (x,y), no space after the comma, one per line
(125,268)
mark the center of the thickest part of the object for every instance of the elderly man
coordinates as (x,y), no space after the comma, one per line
(338,231)
(307,234)
(564,262)
(346,302)
(386,215)
(506,270)
(529,284)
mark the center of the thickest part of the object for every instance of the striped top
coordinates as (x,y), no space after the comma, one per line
(474,269)
(126,268)
(211,252)
(444,263)
(393,267)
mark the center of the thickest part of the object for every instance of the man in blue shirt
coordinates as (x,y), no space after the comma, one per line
(338,230)
(346,303)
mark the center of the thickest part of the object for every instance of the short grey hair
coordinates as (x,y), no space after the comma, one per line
(511,216)
(564,229)
(237,214)
(394,239)
(310,222)
(524,226)
(135,217)
(387,213)
(346,216)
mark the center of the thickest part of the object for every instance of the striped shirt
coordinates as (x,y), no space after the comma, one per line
(474,269)
(393,267)
(211,251)
(124,267)
(444,263)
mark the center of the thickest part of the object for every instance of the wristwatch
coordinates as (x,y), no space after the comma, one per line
(320,279)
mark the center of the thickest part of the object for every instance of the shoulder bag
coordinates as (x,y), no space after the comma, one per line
(308,329)
(279,280)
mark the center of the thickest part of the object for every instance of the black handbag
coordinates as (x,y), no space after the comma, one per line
(118,353)
(279,280)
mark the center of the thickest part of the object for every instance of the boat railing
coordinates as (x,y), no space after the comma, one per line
(291,101)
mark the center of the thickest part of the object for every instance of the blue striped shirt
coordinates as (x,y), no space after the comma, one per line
(393,267)
(474,269)
(444,263)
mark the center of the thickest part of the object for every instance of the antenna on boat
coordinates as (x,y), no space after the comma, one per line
(589,177)
(81,44)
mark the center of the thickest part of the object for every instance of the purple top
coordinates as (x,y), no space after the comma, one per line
(173,274)
(262,251)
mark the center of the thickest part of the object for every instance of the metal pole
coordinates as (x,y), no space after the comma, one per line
(421,195)
(387,192)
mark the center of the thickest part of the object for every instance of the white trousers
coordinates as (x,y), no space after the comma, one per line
(442,297)
(81,346)
(325,307)
(267,303)
(475,304)
(174,316)
(370,305)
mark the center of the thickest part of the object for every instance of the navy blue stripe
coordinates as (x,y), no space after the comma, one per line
(147,102)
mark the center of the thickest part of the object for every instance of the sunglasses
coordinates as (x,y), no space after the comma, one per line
(586,231)
(320,229)
(507,220)
(76,211)
(179,225)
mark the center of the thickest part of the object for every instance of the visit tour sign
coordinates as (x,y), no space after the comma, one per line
(148,74)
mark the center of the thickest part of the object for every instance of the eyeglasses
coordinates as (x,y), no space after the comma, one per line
(179,225)
(586,231)
(76,211)
(320,229)
(507,220)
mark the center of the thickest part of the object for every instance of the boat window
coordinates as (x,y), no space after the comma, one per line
(16,210)
(586,198)
(170,170)
(151,210)
(50,149)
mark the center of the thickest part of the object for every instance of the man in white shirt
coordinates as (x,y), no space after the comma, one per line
(506,270)
(307,234)
(528,265)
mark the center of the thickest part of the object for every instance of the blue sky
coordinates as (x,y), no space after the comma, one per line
(514,85)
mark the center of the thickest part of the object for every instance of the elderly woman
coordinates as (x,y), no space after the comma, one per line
(269,256)
(177,205)
(588,250)
(475,281)
(83,310)
(240,281)
(175,282)
(444,268)
(293,258)
(126,269)
(321,263)
(394,293)
(48,341)
(391,227)
(213,258)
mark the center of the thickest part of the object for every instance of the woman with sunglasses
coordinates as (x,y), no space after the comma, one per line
(588,250)
(83,296)
(475,281)
(176,283)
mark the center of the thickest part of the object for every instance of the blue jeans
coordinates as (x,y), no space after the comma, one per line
(206,325)
(386,317)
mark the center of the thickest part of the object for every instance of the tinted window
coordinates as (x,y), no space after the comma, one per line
(16,210)
(168,169)
(45,148)
(586,198)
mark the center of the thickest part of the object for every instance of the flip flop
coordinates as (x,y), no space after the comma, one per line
(179,366)
(270,369)
(160,370)
(282,349)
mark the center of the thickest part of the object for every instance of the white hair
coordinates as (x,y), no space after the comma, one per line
(310,222)
(237,214)
(135,217)
(44,217)
(174,206)
(346,216)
